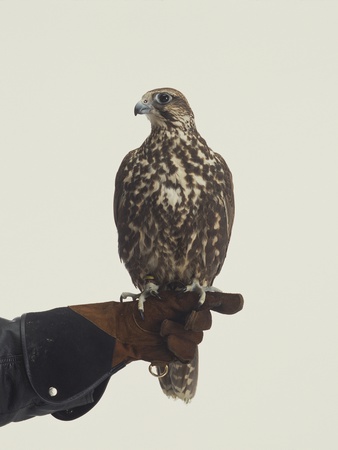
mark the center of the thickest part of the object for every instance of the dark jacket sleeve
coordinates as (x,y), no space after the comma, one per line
(54,362)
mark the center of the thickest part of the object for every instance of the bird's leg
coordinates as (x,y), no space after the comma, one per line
(201,290)
(196,287)
(150,290)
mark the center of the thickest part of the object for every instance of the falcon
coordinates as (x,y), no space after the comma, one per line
(174,211)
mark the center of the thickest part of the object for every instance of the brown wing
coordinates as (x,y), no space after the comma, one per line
(118,193)
(222,210)
(228,195)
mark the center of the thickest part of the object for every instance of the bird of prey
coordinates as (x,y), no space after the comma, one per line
(174,210)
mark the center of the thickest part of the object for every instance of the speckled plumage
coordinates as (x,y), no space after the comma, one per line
(173,203)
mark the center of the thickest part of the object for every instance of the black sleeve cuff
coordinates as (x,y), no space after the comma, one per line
(67,359)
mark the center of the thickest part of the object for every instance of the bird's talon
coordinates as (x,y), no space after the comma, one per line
(141,313)
(156,294)
(125,295)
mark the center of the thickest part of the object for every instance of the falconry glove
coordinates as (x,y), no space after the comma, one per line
(171,329)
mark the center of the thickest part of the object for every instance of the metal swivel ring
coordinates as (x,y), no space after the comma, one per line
(161,374)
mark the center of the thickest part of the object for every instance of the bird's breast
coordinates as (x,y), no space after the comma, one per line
(170,196)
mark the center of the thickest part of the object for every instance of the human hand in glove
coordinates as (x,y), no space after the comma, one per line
(171,329)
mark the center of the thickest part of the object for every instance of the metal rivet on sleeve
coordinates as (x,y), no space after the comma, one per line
(52,391)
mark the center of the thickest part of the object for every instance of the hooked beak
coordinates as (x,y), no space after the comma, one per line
(142,108)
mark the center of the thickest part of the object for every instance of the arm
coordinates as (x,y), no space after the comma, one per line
(60,361)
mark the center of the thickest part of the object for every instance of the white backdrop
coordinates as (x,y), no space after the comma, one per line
(261,77)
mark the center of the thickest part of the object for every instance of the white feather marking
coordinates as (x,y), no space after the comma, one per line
(199,180)
(172,195)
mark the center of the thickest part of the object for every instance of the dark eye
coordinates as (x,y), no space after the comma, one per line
(163,98)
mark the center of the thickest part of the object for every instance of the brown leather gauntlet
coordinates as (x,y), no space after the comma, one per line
(172,327)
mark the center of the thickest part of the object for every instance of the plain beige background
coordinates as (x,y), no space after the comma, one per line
(261,77)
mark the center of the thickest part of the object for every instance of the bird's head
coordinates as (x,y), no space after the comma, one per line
(166,108)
